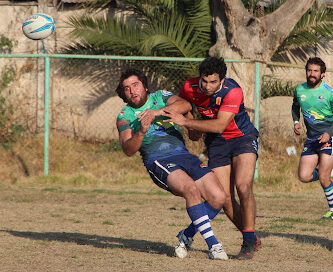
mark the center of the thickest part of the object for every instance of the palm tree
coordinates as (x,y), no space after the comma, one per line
(178,28)
(155,28)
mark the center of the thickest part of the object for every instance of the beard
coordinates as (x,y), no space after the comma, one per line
(139,103)
(312,84)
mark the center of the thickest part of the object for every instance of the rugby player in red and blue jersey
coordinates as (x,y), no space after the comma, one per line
(231,141)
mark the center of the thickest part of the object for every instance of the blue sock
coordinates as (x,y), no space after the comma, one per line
(249,236)
(200,220)
(315,175)
(329,195)
(191,230)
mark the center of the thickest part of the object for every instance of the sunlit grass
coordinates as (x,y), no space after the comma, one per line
(102,166)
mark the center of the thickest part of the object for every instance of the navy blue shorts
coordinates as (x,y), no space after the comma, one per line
(221,154)
(313,147)
(160,169)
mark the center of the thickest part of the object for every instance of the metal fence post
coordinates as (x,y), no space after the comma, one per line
(256,106)
(46,114)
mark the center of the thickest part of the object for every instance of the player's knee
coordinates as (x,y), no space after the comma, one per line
(217,198)
(304,178)
(228,200)
(324,176)
(244,191)
(191,192)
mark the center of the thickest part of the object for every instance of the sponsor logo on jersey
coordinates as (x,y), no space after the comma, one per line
(305,149)
(166,93)
(320,98)
(122,113)
(202,165)
(155,103)
(170,165)
(218,100)
(207,112)
(303,97)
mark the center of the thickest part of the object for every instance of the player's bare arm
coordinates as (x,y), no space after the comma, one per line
(131,141)
(174,103)
(217,125)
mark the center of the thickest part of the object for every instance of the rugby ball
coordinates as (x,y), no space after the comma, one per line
(38,26)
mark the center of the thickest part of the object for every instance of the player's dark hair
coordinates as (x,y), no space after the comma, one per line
(213,65)
(125,75)
(317,61)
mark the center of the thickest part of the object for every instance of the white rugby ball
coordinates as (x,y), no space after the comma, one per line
(38,26)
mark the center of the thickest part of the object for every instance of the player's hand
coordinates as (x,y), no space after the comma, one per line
(323,138)
(174,117)
(150,113)
(146,119)
(298,129)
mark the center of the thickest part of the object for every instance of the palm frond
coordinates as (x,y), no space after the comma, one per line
(197,14)
(171,36)
(112,35)
(309,34)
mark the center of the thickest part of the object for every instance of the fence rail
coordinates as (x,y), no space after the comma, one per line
(49,59)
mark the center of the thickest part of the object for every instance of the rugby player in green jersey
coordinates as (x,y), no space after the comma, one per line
(169,163)
(314,99)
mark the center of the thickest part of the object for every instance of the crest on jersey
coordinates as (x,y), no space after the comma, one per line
(303,97)
(166,93)
(320,98)
(218,100)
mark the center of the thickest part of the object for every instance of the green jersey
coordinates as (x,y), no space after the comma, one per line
(162,138)
(316,106)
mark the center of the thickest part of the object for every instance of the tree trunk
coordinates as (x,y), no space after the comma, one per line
(240,35)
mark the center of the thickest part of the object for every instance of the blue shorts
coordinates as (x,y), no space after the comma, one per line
(160,169)
(221,154)
(313,147)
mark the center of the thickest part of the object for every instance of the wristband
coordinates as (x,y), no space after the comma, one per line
(296,122)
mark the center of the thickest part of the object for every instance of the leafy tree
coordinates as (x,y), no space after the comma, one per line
(242,35)
(285,30)
(142,28)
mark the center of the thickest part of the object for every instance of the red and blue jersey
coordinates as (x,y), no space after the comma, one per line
(229,98)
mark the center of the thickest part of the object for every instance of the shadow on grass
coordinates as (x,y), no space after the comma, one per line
(97,241)
(301,238)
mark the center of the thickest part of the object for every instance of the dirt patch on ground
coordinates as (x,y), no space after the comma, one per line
(134,228)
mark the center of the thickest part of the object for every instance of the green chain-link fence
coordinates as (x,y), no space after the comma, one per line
(78,100)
